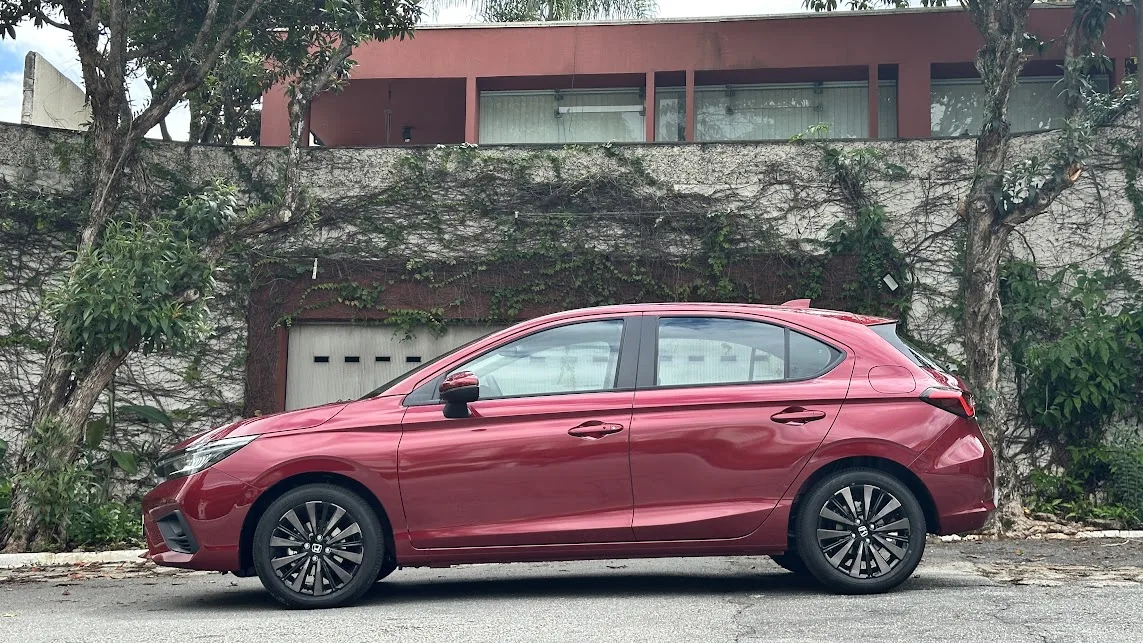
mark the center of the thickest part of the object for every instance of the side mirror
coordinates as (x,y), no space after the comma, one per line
(457,391)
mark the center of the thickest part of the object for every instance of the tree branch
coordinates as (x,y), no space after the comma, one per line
(40,16)
(170,95)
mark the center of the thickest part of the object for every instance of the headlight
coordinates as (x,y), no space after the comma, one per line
(197,457)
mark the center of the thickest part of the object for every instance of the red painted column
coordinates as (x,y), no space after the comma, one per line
(275,128)
(471,111)
(649,108)
(690,129)
(874,102)
(914,100)
(283,336)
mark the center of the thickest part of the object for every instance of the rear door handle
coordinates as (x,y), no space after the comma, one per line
(797,415)
(594,429)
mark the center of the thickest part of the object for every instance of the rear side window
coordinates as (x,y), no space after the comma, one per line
(888,332)
(696,351)
(809,357)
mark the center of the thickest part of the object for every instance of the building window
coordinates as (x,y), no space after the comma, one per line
(1036,104)
(778,112)
(671,114)
(887,109)
(571,116)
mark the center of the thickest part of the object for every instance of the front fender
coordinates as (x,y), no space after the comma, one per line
(369,457)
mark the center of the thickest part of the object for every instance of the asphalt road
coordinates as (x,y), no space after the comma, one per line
(966,592)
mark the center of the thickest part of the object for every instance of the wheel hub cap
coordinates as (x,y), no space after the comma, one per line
(316,548)
(863,531)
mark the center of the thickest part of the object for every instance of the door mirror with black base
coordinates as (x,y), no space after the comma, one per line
(457,391)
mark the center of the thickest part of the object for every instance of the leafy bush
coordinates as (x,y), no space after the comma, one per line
(56,485)
(1078,353)
(110,523)
(5,497)
(1105,483)
(72,497)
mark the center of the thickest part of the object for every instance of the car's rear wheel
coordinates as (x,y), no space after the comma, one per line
(318,546)
(861,531)
(791,561)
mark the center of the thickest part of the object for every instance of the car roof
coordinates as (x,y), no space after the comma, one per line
(789,310)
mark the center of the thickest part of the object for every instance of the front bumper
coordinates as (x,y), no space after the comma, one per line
(195,522)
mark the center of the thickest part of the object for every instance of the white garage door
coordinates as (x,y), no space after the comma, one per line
(330,362)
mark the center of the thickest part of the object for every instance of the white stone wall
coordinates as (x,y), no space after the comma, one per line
(771,186)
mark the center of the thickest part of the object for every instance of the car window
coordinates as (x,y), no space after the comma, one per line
(576,357)
(808,356)
(710,350)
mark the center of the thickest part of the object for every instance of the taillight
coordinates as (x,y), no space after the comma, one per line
(953,400)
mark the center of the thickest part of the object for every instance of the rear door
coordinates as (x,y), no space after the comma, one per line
(727,412)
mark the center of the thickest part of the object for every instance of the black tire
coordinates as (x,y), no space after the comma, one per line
(791,562)
(883,542)
(387,567)
(353,544)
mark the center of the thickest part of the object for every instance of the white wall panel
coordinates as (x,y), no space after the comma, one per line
(318,371)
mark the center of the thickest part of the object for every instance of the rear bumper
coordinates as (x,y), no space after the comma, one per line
(959,472)
(195,522)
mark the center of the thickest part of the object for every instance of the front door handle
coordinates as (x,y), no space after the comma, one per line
(797,415)
(594,429)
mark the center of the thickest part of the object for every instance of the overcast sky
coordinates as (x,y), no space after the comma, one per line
(56,47)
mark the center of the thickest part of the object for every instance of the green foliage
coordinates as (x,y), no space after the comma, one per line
(147,283)
(1078,353)
(865,237)
(223,107)
(56,486)
(147,414)
(71,497)
(310,37)
(106,524)
(1102,482)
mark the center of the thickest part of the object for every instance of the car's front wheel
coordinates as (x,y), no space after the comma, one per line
(861,531)
(318,546)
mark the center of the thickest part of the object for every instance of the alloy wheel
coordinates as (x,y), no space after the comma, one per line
(864,531)
(316,548)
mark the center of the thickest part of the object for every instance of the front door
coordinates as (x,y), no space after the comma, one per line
(543,459)
(727,413)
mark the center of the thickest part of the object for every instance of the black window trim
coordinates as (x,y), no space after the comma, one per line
(649,352)
(625,370)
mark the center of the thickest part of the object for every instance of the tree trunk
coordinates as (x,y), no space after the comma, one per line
(982,315)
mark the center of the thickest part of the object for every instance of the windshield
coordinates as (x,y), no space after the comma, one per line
(403,376)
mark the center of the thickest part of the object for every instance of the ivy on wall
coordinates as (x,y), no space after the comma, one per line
(517,234)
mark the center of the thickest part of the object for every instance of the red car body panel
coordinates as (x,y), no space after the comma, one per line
(512,475)
(636,472)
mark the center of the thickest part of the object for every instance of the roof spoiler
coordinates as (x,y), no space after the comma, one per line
(797,303)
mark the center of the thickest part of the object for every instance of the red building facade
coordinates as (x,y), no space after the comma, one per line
(884,74)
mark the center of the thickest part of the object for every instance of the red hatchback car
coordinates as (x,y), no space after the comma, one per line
(813,436)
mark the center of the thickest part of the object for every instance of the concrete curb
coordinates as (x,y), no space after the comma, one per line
(48,559)
(1053,535)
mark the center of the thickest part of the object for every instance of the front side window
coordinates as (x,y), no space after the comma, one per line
(574,358)
(695,351)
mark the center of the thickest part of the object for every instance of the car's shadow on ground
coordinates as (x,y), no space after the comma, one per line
(395,591)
